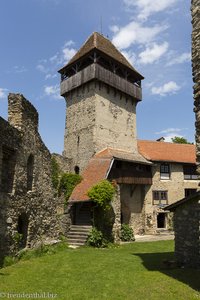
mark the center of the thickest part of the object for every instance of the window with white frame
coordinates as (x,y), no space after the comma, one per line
(164,171)
(189,172)
(160,197)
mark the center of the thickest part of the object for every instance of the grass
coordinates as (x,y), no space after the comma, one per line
(133,271)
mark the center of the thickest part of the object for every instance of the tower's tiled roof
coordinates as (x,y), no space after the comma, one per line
(169,152)
(98,41)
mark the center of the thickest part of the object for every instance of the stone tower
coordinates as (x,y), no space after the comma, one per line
(195,9)
(101,90)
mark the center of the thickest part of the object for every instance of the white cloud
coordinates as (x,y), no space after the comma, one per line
(170,136)
(50,76)
(170,87)
(41,68)
(130,56)
(170,130)
(114,28)
(153,53)
(51,65)
(3,93)
(69,43)
(136,33)
(170,133)
(68,53)
(52,91)
(148,7)
(184,57)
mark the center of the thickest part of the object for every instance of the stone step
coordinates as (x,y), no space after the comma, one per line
(80,229)
(78,234)
(74,240)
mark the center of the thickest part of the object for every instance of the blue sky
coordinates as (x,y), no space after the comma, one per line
(40,36)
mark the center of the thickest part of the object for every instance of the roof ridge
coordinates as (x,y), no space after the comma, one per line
(171,143)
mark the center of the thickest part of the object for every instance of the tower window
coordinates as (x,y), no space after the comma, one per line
(30,167)
(77,170)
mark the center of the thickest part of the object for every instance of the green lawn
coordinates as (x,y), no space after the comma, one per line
(132,271)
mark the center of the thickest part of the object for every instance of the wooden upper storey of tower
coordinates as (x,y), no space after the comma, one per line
(99,51)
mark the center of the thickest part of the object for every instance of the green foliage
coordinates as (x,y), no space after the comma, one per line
(102,193)
(55,173)
(96,239)
(127,233)
(67,184)
(180,140)
(33,253)
(9,261)
(17,237)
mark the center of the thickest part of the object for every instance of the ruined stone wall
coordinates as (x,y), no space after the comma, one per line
(186,225)
(97,117)
(31,194)
(175,186)
(195,10)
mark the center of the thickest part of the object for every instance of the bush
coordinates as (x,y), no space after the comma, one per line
(102,193)
(127,233)
(96,239)
(68,183)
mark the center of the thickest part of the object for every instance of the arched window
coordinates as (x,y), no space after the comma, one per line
(76,170)
(30,167)
(22,229)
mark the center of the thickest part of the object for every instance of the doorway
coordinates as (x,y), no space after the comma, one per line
(161,220)
(22,229)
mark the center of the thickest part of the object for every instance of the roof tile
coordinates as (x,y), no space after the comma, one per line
(171,152)
(98,41)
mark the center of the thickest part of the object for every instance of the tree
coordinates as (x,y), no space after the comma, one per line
(180,140)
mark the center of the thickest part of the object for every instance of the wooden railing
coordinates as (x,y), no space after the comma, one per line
(96,71)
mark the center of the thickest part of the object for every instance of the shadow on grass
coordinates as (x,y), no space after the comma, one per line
(158,262)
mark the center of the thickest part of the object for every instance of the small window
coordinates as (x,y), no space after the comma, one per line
(77,170)
(30,167)
(164,171)
(8,169)
(189,192)
(160,197)
(189,172)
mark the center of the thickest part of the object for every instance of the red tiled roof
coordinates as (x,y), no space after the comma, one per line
(97,169)
(162,151)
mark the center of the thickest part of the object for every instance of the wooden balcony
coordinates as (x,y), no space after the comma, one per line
(95,71)
(131,176)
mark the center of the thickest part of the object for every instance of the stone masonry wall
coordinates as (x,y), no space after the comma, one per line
(175,186)
(97,117)
(186,225)
(25,204)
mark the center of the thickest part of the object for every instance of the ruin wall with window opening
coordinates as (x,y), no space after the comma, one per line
(28,209)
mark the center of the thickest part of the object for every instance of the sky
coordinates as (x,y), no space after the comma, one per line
(38,37)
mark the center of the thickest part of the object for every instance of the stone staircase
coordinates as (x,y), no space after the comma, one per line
(78,234)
